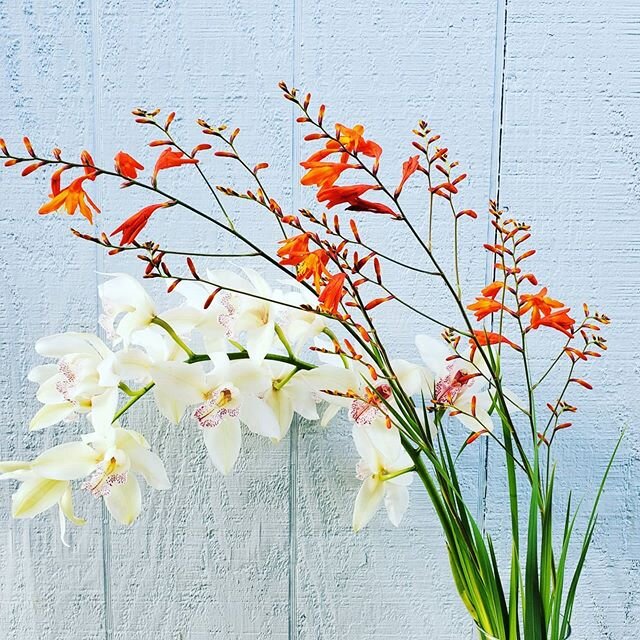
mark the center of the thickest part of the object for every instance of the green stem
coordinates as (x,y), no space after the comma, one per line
(281,383)
(283,339)
(395,474)
(176,338)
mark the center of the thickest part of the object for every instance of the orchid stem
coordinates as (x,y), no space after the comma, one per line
(334,339)
(176,338)
(395,474)
(284,341)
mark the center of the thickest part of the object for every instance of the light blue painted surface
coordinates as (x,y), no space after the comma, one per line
(213,558)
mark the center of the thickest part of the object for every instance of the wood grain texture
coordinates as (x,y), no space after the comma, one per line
(570,167)
(269,552)
(209,559)
(46,590)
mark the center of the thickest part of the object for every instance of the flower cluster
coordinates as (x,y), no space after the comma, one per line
(238,353)
(260,385)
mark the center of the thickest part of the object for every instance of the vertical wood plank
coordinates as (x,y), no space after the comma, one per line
(210,557)
(570,165)
(46,589)
(386,66)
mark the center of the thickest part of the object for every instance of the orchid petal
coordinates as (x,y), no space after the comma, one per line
(63,344)
(260,340)
(434,354)
(66,507)
(396,501)
(368,500)
(103,409)
(150,466)
(259,418)
(36,495)
(223,444)
(51,414)
(68,461)
(124,501)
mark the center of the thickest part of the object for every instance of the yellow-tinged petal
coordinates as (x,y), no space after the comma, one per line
(368,500)
(36,495)
(50,414)
(66,506)
(69,461)
(124,501)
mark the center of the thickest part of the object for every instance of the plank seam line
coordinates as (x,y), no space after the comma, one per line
(292,622)
(94,30)
(497,131)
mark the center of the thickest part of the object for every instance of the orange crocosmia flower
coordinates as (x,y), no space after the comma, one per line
(351,196)
(352,139)
(132,226)
(558,319)
(294,249)
(127,165)
(313,265)
(360,204)
(72,198)
(169,158)
(484,338)
(539,304)
(332,294)
(409,167)
(484,307)
(492,290)
(323,174)
(336,195)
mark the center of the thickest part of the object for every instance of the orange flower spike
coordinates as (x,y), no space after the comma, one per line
(350,138)
(72,198)
(29,147)
(474,436)
(132,226)
(56,177)
(582,383)
(127,165)
(169,159)
(354,142)
(332,294)
(378,301)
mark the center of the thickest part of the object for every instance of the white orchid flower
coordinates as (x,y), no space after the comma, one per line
(301,326)
(330,384)
(109,461)
(177,384)
(257,315)
(289,395)
(384,470)
(126,307)
(216,323)
(368,404)
(455,383)
(235,394)
(85,379)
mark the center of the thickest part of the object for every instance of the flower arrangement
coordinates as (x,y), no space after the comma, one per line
(237,353)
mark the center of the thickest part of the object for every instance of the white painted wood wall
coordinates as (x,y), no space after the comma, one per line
(268,552)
